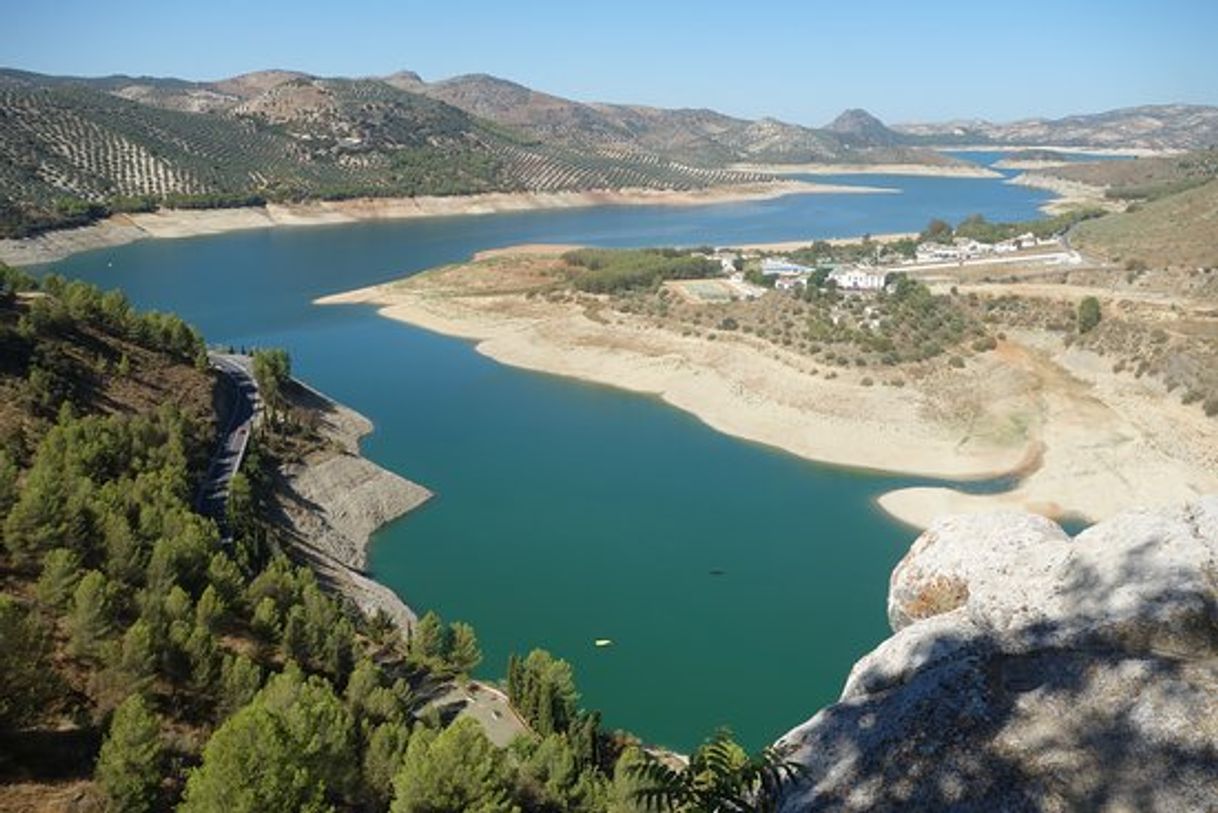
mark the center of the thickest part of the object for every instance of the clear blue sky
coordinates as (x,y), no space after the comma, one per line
(798,61)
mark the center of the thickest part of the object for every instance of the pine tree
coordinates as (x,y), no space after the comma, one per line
(386,749)
(291,748)
(584,734)
(204,658)
(240,680)
(210,609)
(457,769)
(123,551)
(266,620)
(27,680)
(463,654)
(137,658)
(129,766)
(61,573)
(224,575)
(89,622)
(364,681)
(427,640)
(8,482)
(513,680)
(296,636)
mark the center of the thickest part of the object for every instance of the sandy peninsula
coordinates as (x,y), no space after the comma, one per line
(1030,163)
(177,223)
(1067,194)
(728,384)
(1079,440)
(922,170)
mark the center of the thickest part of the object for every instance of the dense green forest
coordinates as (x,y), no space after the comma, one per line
(146,665)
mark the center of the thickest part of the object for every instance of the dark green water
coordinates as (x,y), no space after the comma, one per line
(568,512)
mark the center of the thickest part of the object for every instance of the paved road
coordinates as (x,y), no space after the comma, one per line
(212,498)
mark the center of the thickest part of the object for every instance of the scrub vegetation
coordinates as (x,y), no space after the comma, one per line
(599,270)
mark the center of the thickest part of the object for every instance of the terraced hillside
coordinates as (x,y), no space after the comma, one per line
(70,151)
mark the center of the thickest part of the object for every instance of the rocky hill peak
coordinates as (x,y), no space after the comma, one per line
(860,128)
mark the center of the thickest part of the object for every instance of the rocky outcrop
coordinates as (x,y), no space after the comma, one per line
(1033,671)
(333,502)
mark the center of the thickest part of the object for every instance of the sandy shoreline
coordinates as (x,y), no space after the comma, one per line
(919,170)
(331,504)
(1030,163)
(1088,442)
(1131,152)
(1067,194)
(176,223)
(727,384)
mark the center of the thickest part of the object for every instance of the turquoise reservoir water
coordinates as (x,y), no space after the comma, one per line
(567,512)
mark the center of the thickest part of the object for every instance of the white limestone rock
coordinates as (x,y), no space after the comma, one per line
(1032,671)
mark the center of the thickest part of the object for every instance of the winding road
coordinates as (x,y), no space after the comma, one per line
(212,499)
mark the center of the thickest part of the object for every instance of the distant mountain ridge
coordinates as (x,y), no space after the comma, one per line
(1166,126)
(72,148)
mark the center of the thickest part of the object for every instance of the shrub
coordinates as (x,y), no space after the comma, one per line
(1088,314)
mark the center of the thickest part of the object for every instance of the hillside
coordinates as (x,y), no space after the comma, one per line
(701,136)
(73,150)
(1142,178)
(1170,126)
(150,665)
(1179,230)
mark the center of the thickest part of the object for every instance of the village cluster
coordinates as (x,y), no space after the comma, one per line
(742,270)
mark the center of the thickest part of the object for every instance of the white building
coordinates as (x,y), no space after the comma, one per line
(973,248)
(859,278)
(937,252)
(789,282)
(727,261)
(781,266)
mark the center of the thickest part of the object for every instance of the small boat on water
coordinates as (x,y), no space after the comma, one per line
(603,642)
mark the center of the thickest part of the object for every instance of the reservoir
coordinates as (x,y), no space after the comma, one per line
(738,583)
